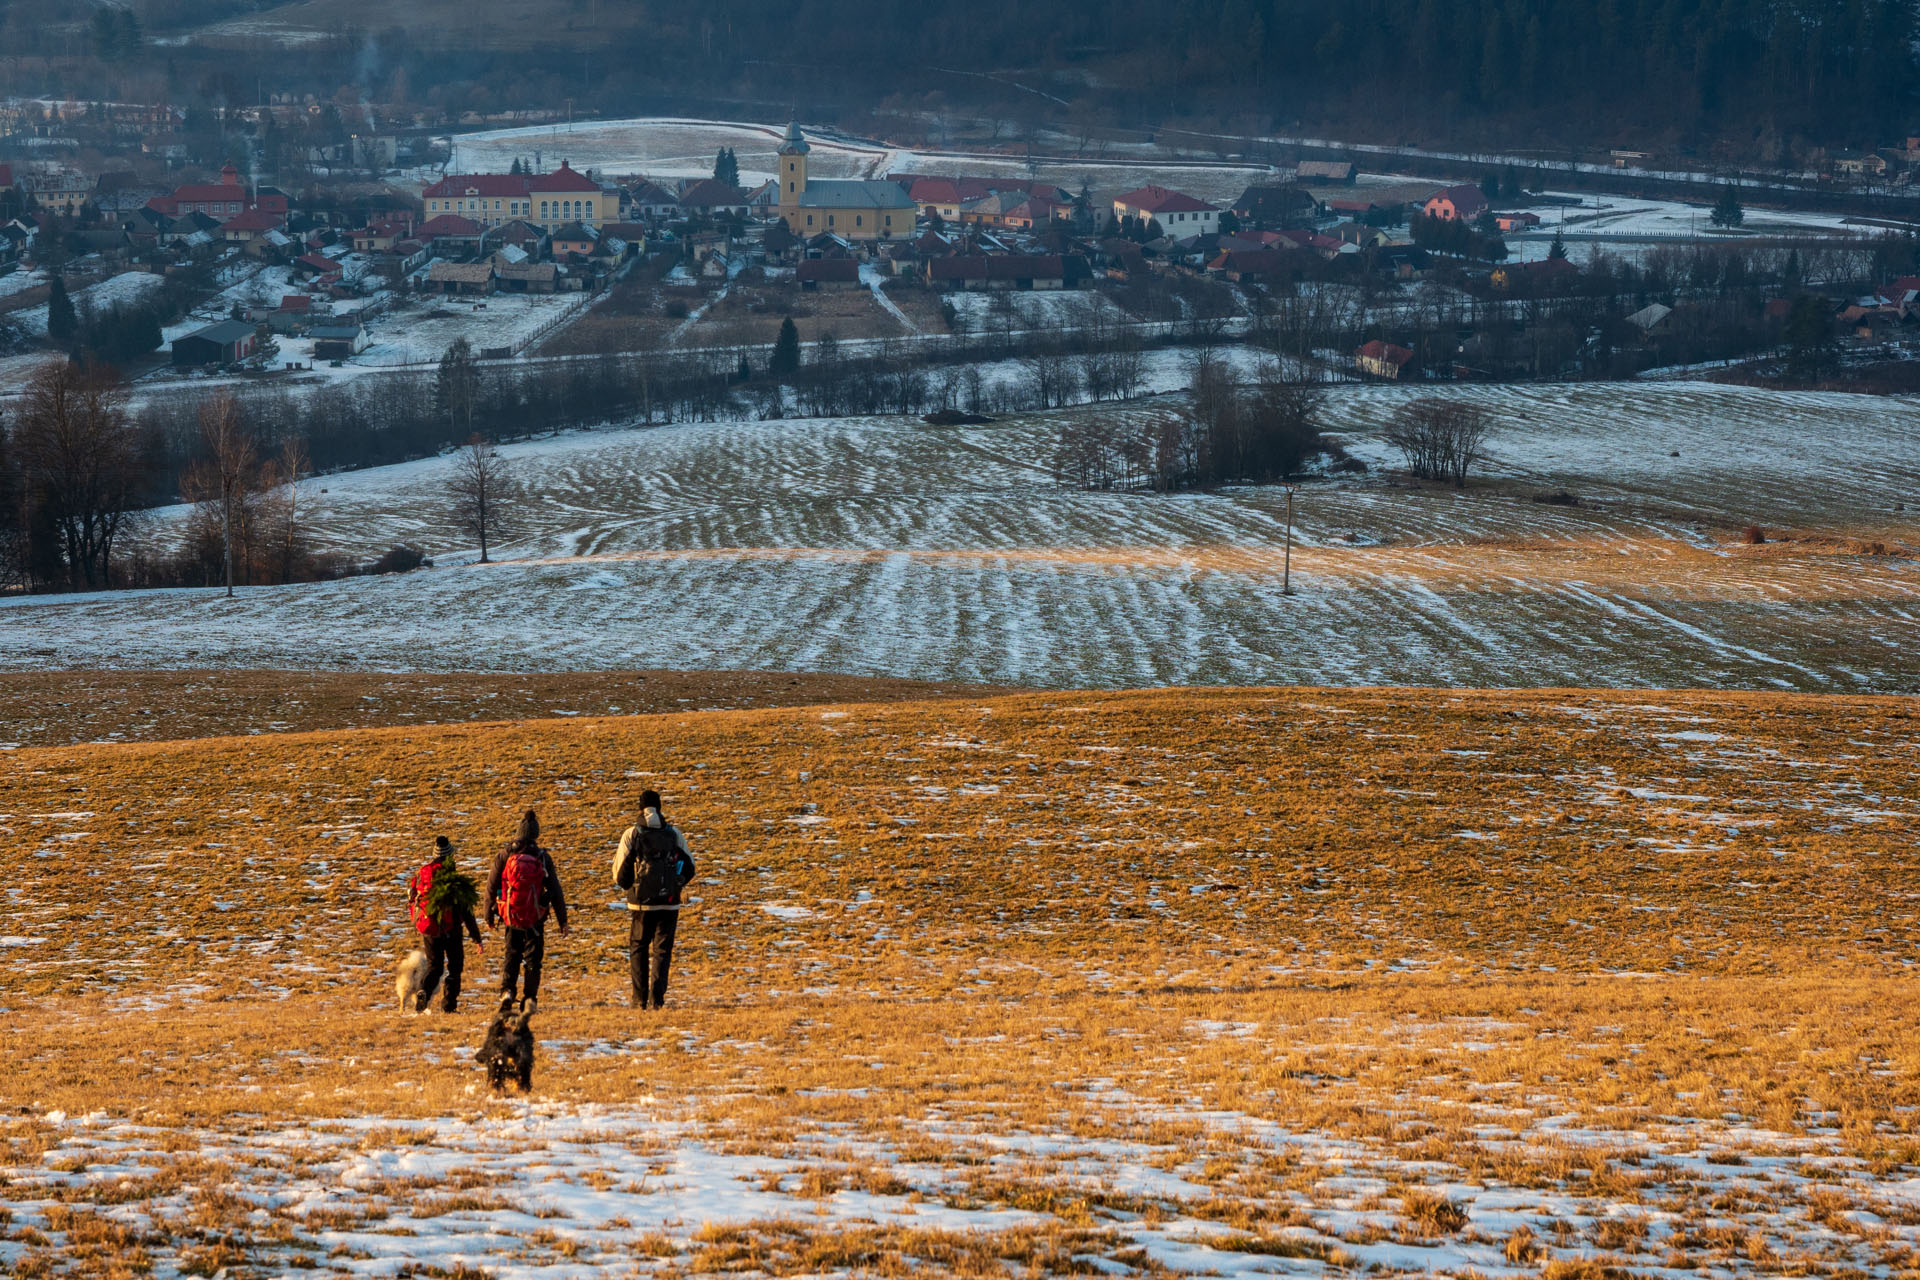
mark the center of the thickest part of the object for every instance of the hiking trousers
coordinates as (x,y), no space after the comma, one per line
(528,947)
(651,938)
(446,953)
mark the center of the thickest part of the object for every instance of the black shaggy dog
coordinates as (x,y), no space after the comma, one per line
(508,1048)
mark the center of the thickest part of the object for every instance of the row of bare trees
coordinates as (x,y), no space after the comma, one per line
(78,471)
(1239,429)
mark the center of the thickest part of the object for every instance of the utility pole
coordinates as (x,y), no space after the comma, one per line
(1286,573)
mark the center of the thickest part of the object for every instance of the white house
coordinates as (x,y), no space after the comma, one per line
(1179,214)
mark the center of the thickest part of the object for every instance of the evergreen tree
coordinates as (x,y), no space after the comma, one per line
(105,33)
(726,167)
(1490,186)
(1726,210)
(1557,252)
(1809,335)
(786,350)
(62,323)
(127,36)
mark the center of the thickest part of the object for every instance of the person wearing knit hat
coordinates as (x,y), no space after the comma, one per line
(441,902)
(653,864)
(522,891)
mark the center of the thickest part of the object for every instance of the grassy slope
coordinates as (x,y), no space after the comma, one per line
(1436,931)
(1050,847)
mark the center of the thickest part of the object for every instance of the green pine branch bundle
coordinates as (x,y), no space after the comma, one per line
(452,891)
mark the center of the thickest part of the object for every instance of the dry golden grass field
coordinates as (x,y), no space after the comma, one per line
(1212,981)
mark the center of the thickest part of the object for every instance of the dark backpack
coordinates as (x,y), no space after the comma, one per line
(522,881)
(656,866)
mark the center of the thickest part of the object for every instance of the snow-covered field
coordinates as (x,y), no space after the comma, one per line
(421,330)
(885,546)
(128,286)
(679,148)
(530,1188)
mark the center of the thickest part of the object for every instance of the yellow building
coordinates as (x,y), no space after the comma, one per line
(546,199)
(849,208)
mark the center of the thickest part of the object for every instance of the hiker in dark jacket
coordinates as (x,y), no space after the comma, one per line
(441,937)
(524,887)
(653,865)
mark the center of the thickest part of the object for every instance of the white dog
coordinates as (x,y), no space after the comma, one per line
(413,971)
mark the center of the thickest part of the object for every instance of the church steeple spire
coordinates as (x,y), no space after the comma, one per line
(793,166)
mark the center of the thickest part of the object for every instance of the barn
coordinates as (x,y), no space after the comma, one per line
(223,343)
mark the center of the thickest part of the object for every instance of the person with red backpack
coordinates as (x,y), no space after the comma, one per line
(653,865)
(441,907)
(523,889)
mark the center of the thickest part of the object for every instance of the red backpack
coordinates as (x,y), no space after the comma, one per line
(521,882)
(420,889)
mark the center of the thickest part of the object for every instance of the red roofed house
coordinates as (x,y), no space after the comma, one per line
(550,199)
(323,270)
(382,234)
(1013,210)
(1179,214)
(450,230)
(1516,221)
(223,199)
(1382,359)
(1456,204)
(1254,264)
(244,228)
(293,314)
(945,197)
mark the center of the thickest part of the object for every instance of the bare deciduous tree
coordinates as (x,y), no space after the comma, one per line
(289,507)
(226,478)
(480,489)
(79,459)
(1440,439)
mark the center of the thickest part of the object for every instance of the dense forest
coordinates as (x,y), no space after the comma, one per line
(1764,78)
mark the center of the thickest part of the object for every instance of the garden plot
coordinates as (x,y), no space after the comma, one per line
(888,547)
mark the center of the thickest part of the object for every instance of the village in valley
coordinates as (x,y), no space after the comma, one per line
(1228,639)
(385,251)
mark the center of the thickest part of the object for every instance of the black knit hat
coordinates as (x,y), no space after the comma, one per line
(649,799)
(530,829)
